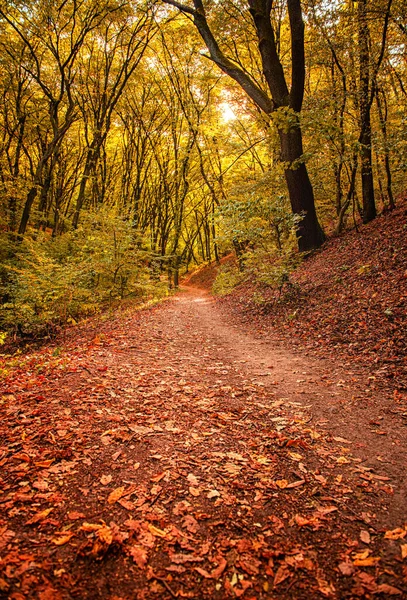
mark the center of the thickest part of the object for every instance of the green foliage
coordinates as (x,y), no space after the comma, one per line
(270,269)
(228,278)
(58,280)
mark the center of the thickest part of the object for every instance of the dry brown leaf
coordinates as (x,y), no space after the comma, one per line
(190,523)
(346,568)
(217,572)
(296,484)
(194,491)
(326,588)
(126,504)
(115,495)
(156,478)
(203,572)
(282,574)
(90,527)
(390,590)
(213,494)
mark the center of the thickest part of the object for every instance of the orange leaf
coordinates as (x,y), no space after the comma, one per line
(139,555)
(403,549)
(296,484)
(282,483)
(74,515)
(40,516)
(115,495)
(89,527)
(396,534)
(371,561)
(105,534)
(63,538)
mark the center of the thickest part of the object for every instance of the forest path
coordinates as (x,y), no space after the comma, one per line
(171,453)
(336,396)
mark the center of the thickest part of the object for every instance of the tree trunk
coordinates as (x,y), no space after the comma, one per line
(365,137)
(309,232)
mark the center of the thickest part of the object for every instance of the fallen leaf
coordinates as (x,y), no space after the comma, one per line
(403,549)
(115,495)
(384,588)
(194,491)
(40,516)
(217,572)
(395,534)
(106,479)
(346,568)
(63,538)
(139,555)
(105,534)
(213,494)
(156,531)
(365,536)
(281,483)
(371,561)
(296,484)
(75,515)
(282,574)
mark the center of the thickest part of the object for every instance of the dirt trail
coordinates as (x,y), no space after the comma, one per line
(171,453)
(335,395)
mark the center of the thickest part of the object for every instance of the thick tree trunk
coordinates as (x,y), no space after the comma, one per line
(309,232)
(365,137)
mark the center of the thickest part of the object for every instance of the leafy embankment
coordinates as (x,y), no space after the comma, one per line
(348,300)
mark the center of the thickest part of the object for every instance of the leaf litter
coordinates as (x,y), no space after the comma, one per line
(149,461)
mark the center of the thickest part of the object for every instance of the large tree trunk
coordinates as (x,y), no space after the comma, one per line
(365,137)
(309,232)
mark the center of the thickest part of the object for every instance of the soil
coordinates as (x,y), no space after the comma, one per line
(177,453)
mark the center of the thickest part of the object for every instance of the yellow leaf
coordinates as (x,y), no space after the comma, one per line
(156,531)
(342,460)
(115,495)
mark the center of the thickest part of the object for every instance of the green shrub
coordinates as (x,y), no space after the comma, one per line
(227,279)
(56,281)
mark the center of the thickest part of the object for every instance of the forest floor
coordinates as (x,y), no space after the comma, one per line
(177,452)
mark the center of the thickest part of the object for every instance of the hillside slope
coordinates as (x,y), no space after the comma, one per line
(347,301)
